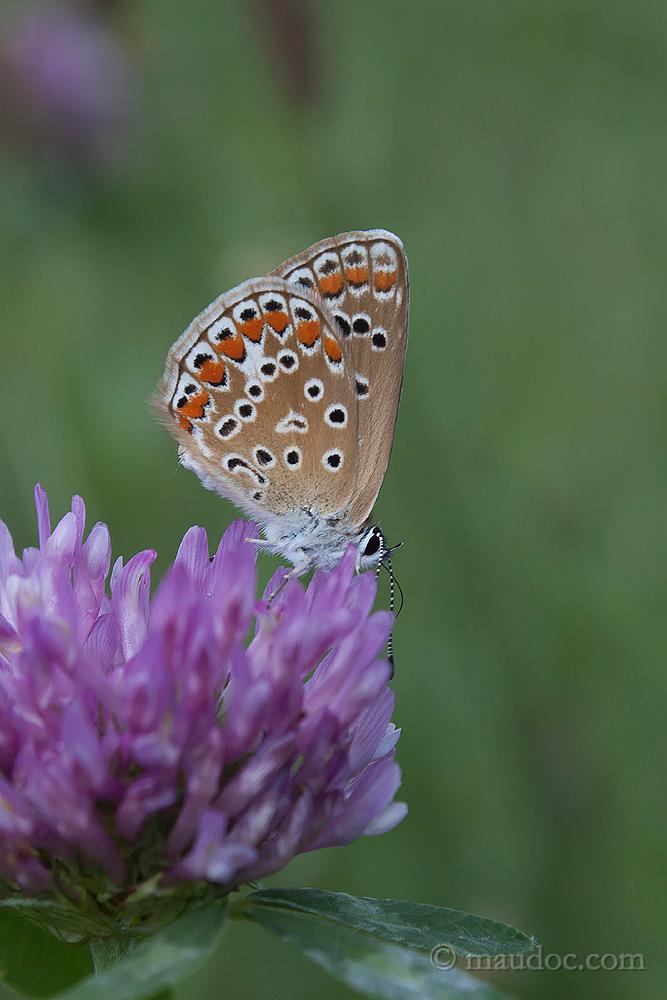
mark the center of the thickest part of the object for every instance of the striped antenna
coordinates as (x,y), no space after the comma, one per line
(385,560)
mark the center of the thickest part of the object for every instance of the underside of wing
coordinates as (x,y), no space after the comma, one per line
(362,279)
(260,394)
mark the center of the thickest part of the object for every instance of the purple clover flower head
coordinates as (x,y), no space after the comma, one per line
(67,82)
(149,744)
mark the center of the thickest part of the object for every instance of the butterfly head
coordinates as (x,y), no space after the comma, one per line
(371,547)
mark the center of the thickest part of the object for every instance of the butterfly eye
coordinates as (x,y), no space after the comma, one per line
(371,545)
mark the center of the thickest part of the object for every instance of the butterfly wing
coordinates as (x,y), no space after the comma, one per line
(362,279)
(260,394)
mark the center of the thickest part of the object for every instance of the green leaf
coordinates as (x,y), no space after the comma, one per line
(107,952)
(57,967)
(157,962)
(416,925)
(71,923)
(366,963)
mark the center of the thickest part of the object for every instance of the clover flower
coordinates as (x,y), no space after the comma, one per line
(164,748)
(67,83)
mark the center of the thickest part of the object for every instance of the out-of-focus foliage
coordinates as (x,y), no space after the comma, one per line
(520,150)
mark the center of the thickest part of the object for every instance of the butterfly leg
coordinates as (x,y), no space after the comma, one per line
(302,566)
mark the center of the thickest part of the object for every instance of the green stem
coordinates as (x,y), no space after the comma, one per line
(238,909)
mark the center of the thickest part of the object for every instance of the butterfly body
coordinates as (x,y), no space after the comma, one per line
(283,394)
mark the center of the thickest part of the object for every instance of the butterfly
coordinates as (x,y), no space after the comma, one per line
(283,395)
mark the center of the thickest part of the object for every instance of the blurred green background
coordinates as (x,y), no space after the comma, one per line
(520,151)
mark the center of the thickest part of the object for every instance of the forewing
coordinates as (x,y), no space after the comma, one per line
(362,278)
(260,394)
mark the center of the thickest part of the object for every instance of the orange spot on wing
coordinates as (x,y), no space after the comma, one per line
(196,406)
(232,347)
(212,371)
(385,280)
(332,284)
(252,329)
(308,332)
(357,275)
(185,424)
(332,348)
(277,320)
